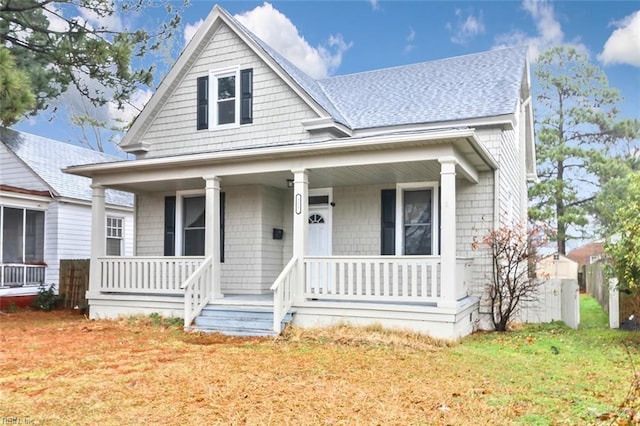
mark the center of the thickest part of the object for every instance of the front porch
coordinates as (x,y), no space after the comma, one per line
(394,291)
(373,231)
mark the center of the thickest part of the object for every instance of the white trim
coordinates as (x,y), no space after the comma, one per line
(299,150)
(329,215)
(179,229)
(435,223)
(120,238)
(10,199)
(214,76)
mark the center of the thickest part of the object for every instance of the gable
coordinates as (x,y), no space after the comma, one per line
(15,173)
(45,158)
(278,110)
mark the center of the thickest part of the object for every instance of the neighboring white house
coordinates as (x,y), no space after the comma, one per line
(45,214)
(352,198)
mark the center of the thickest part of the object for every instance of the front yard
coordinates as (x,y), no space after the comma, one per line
(60,368)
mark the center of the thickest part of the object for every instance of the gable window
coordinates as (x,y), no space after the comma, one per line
(114,236)
(409,220)
(225,99)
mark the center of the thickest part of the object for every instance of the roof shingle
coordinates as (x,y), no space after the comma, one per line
(47,157)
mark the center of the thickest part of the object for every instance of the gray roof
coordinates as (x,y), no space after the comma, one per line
(465,87)
(485,84)
(47,157)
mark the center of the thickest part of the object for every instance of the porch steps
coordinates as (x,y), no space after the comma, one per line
(238,320)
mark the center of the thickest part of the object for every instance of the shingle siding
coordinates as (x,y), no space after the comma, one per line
(277,110)
(356,220)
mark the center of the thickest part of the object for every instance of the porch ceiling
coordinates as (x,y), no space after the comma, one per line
(375,160)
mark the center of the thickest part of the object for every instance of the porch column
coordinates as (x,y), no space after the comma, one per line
(212,230)
(98,236)
(300,225)
(448,232)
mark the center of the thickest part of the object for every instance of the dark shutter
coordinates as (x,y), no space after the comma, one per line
(169,226)
(203,103)
(388,222)
(222,203)
(246,96)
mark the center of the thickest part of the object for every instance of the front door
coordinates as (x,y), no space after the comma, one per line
(319,238)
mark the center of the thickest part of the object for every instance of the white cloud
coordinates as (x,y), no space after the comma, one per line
(281,34)
(111,21)
(466,27)
(131,109)
(374,4)
(190,30)
(410,38)
(623,46)
(548,31)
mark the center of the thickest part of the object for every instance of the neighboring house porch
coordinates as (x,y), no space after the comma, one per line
(364,231)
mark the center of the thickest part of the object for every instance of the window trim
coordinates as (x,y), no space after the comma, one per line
(435,208)
(121,238)
(178,219)
(24,231)
(179,227)
(214,76)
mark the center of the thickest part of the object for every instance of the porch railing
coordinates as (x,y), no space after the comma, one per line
(198,291)
(146,275)
(283,292)
(18,274)
(382,278)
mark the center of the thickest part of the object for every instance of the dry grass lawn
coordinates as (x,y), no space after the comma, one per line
(59,368)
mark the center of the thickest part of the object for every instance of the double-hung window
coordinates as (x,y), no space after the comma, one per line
(184,230)
(115,236)
(225,99)
(409,220)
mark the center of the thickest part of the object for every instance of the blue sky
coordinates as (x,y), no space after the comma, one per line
(330,38)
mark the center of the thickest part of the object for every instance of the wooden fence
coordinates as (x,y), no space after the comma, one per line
(74,282)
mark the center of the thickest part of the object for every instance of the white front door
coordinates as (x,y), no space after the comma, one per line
(319,239)
(319,231)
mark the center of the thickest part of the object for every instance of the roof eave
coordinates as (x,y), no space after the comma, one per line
(280,151)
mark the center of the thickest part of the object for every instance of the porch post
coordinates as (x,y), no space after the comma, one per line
(98,236)
(212,230)
(300,226)
(448,232)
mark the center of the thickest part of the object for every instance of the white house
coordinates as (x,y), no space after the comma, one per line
(354,198)
(45,214)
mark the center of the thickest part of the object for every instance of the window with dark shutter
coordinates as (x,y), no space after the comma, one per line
(246,88)
(388,222)
(203,103)
(169,226)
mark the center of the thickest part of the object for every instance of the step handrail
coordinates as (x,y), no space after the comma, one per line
(198,289)
(283,290)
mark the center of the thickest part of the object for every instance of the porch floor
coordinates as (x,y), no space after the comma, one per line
(265,299)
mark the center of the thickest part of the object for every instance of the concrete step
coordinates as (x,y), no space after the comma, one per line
(238,320)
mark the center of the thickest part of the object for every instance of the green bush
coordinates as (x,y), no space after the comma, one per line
(46,299)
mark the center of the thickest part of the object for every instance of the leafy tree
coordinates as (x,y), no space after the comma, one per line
(623,244)
(576,133)
(514,252)
(75,43)
(15,90)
